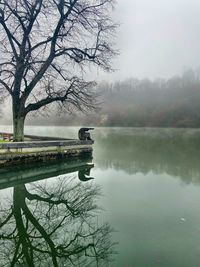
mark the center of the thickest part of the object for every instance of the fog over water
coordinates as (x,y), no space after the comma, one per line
(143,191)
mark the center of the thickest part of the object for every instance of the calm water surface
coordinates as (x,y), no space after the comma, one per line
(147,182)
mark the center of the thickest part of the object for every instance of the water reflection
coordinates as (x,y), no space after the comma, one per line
(54,223)
(83,174)
(172,151)
(19,174)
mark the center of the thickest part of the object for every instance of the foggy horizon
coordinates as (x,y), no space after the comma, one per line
(155,39)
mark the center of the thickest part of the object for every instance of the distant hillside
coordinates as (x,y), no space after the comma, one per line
(174,102)
(161,103)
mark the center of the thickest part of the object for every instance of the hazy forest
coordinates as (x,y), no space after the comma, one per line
(133,102)
(172,102)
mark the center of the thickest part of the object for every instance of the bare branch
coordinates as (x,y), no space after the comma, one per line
(45,44)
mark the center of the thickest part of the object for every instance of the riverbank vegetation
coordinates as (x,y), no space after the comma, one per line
(172,102)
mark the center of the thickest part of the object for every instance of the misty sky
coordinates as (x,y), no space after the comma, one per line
(157,38)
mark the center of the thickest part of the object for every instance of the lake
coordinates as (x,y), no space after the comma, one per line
(142,209)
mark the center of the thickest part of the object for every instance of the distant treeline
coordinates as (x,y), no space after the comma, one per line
(161,103)
(173,102)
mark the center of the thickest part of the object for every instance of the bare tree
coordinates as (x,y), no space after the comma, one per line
(45,47)
(54,226)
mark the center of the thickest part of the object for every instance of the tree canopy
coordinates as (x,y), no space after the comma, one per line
(45,47)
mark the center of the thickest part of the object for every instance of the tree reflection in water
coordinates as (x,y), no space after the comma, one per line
(175,152)
(54,225)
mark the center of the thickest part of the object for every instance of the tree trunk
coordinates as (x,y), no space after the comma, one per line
(19,199)
(18,128)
